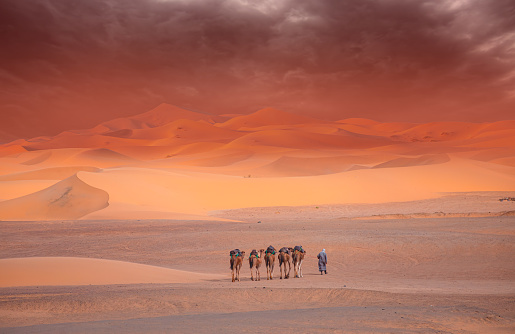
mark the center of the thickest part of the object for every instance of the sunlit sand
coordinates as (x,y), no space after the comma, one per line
(132,222)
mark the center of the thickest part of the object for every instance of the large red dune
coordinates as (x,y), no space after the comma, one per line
(171,162)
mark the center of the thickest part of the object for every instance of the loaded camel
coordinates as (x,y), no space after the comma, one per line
(269,262)
(236,262)
(284,258)
(255,260)
(297,258)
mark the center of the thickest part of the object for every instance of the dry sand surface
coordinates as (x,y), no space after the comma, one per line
(425,275)
(127,226)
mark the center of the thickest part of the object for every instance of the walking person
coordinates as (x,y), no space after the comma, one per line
(322,261)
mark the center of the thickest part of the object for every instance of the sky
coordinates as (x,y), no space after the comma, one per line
(73,64)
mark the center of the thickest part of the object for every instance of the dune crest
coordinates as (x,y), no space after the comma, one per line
(160,115)
(266,117)
(70,198)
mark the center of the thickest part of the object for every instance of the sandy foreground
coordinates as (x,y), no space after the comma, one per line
(425,273)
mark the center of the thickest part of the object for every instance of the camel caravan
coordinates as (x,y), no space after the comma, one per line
(287,257)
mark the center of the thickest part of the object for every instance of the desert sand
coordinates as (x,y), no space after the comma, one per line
(128,225)
(417,275)
(173,163)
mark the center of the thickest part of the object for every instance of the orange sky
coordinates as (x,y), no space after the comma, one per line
(73,64)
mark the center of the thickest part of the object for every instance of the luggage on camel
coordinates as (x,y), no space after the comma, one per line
(270,250)
(299,248)
(254,252)
(285,250)
(236,252)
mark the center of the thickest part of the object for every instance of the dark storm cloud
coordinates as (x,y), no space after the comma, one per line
(80,62)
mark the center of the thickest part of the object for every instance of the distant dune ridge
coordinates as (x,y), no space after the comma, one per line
(171,162)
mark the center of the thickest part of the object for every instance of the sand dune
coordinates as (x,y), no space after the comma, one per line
(11,149)
(14,189)
(505,161)
(220,160)
(196,193)
(439,131)
(73,140)
(172,162)
(42,271)
(186,130)
(123,133)
(104,154)
(161,115)
(55,173)
(39,159)
(266,117)
(307,140)
(429,159)
(359,121)
(100,158)
(297,166)
(70,198)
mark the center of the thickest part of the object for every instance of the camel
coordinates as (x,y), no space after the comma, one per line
(297,258)
(236,262)
(255,262)
(284,258)
(269,262)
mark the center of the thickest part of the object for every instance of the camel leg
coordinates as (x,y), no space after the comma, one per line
(251,273)
(300,269)
(232,274)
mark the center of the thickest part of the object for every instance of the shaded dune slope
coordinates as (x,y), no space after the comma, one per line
(70,198)
(88,271)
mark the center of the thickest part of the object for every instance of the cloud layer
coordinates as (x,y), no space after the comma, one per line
(73,64)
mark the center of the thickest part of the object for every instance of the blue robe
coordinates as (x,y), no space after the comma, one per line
(322,261)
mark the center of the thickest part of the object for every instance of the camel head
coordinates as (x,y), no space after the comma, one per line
(261,251)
